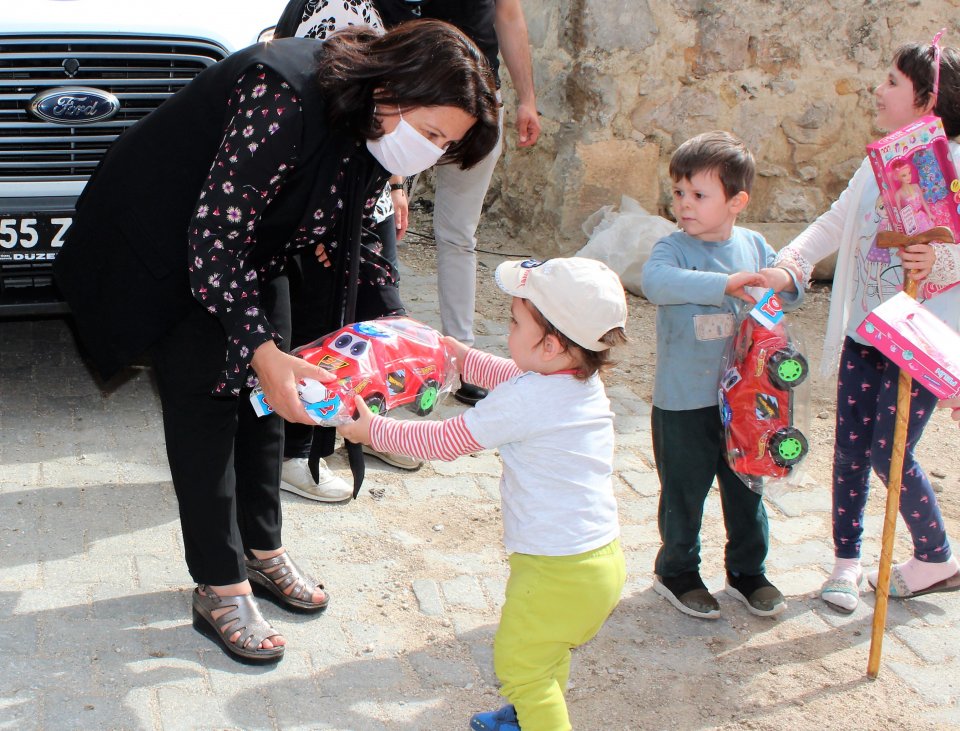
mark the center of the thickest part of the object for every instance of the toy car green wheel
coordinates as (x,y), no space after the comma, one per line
(787,368)
(788,446)
(426,397)
(376,403)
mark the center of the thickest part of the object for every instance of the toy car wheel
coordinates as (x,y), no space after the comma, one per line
(426,397)
(787,368)
(787,447)
(376,403)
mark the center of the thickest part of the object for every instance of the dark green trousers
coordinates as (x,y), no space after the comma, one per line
(688,447)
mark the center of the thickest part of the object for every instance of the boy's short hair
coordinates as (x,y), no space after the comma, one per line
(715,151)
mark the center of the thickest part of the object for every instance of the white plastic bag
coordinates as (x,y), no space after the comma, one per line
(624,239)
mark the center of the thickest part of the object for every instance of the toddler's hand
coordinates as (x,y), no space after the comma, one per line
(358,431)
(738,280)
(778,279)
(951,403)
(458,349)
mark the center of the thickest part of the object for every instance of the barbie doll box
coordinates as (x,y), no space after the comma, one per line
(918,341)
(917,177)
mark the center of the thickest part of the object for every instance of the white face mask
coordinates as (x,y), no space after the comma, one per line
(404,151)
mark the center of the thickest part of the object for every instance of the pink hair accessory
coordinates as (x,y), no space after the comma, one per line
(936,62)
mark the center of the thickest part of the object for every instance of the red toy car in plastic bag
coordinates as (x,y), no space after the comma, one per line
(390,362)
(757,403)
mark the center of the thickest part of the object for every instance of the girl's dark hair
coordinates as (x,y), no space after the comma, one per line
(421,63)
(588,361)
(915,61)
(718,151)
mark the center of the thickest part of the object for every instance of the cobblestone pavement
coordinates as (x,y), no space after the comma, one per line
(94,595)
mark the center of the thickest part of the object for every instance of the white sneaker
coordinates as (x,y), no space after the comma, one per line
(295,477)
(394,459)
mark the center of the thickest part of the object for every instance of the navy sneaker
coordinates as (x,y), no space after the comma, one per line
(503,720)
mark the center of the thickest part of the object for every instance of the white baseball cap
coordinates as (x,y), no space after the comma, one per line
(581,297)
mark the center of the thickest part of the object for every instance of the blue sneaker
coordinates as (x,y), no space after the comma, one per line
(503,720)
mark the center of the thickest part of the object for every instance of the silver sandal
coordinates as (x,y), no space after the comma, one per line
(242,616)
(278,574)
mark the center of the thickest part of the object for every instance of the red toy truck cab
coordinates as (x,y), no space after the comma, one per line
(391,362)
(756,403)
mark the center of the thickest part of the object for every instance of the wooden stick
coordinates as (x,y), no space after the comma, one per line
(890,516)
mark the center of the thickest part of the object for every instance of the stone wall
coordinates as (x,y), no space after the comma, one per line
(621,83)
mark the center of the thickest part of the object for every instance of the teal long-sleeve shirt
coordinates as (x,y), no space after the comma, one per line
(685,277)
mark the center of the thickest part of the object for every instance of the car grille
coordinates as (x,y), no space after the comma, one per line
(140,71)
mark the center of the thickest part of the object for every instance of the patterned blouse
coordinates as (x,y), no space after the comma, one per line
(258,152)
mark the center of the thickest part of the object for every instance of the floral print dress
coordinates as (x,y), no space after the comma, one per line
(258,153)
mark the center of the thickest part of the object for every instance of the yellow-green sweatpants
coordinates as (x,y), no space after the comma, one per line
(553,603)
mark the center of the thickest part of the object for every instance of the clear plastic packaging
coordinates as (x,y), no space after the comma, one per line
(763,405)
(390,362)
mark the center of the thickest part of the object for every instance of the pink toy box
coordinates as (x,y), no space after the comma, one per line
(917,177)
(917,341)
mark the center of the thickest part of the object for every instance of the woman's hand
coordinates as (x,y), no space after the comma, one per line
(278,373)
(458,349)
(321,254)
(358,431)
(401,209)
(738,280)
(918,260)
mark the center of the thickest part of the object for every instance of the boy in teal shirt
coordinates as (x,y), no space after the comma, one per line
(695,277)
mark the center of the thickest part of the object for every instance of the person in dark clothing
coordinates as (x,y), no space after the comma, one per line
(498,27)
(180,247)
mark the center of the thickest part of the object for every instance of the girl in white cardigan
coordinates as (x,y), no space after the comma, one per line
(921,80)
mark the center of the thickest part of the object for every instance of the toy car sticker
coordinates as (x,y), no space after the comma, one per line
(396,382)
(426,370)
(730,379)
(767,406)
(349,346)
(371,330)
(726,413)
(714,327)
(330,363)
(323,410)
(768,311)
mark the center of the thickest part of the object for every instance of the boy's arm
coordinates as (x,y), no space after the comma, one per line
(666,282)
(444,440)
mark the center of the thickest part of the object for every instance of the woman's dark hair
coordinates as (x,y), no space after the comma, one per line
(915,61)
(421,63)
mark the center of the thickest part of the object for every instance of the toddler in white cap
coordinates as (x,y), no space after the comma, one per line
(549,416)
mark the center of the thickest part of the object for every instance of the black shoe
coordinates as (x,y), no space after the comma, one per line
(689,594)
(469,394)
(761,597)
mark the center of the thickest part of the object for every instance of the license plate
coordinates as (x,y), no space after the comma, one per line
(33,236)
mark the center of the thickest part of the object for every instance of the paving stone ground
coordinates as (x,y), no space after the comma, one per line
(95,598)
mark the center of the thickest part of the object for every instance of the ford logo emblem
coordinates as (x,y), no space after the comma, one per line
(74,105)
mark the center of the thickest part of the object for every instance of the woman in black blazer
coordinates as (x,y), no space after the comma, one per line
(179,249)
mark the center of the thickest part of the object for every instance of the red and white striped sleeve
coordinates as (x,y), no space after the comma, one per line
(486,370)
(444,440)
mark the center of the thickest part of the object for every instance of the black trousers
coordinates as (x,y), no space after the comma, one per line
(688,447)
(225,461)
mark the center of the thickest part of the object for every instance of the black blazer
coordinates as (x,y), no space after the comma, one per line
(123,267)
